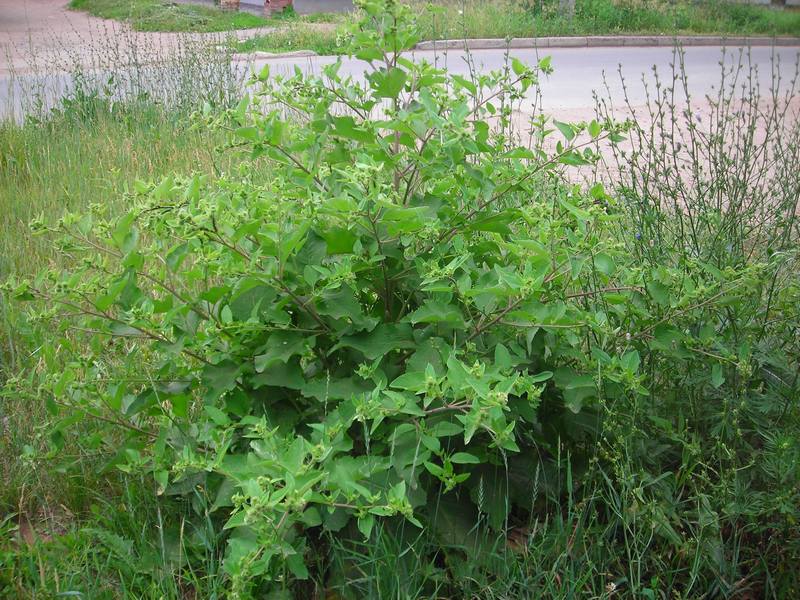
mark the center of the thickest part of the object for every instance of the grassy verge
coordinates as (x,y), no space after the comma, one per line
(68,524)
(159,15)
(90,153)
(325,33)
(452,19)
(473,19)
(322,39)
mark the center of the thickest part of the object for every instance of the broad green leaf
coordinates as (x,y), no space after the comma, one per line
(579,213)
(380,341)
(717,377)
(288,375)
(365,525)
(248,133)
(519,152)
(347,127)
(605,264)
(575,388)
(388,84)
(340,388)
(216,415)
(297,566)
(437,312)
(566,129)
(495,222)
(464,458)
(280,347)
(630,361)
(220,378)
(539,377)
(659,292)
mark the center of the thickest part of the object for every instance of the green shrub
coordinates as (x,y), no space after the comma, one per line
(375,323)
(413,322)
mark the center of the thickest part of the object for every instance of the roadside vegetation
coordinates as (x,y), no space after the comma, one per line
(454,19)
(533,18)
(289,346)
(162,15)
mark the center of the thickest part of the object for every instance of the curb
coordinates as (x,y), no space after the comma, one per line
(599,41)
(591,41)
(259,55)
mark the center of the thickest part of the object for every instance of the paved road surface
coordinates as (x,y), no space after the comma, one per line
(46,26)
(578,72)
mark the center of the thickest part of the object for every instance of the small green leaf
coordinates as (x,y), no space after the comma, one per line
(464,458)
(658,292)
(247,133)
(389,84)
(437,312)
(237,520)
(717,377)
(566,129)
(545,63)
(347,127)
(365,525)
(630,361)
(434,469)
(216,415)
(539,377)
(465,83)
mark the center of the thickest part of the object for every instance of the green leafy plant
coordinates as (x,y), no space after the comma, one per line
(411,322)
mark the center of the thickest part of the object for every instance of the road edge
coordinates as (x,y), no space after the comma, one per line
(586,41)
(601,41)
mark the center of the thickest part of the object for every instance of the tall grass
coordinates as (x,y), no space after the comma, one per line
(714,182)
(80,128)
(91,151)
(532,18)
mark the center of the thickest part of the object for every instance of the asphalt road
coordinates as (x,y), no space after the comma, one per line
(578,74)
